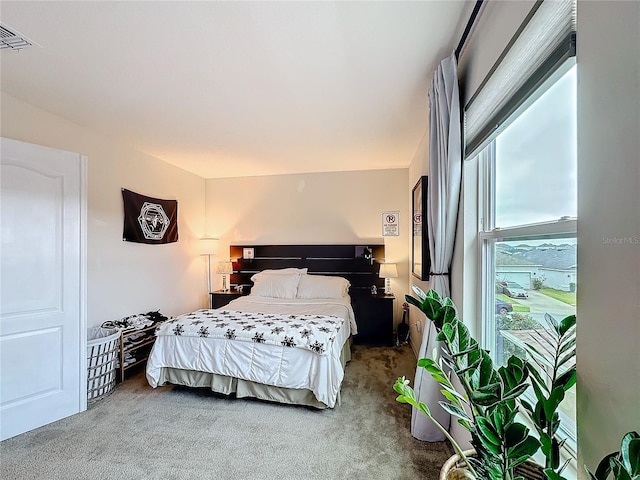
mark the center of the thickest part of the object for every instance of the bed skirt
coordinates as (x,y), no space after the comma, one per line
(244,388)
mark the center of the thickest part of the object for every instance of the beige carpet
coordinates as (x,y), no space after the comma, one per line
(177,433)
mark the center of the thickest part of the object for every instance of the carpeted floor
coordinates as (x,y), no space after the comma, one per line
(178,433)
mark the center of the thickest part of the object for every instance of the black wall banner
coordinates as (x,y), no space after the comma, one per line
(149,220)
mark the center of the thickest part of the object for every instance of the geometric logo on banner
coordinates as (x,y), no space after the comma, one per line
(153,221)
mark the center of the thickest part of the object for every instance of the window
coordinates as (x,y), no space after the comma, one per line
(528,220)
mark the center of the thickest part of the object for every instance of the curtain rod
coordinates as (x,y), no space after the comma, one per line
(467,29)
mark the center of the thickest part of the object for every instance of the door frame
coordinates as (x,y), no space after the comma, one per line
(82,294)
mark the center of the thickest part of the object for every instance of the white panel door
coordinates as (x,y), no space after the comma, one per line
(42,324)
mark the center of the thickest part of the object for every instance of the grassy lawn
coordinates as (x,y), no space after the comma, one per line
(520,308)
(566,297)
(516,306)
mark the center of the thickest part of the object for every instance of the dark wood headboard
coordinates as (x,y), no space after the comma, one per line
(359,264)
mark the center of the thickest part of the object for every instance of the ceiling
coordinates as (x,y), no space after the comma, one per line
(229,89)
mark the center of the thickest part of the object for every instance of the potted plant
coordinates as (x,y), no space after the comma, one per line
(624,465)
(489,404)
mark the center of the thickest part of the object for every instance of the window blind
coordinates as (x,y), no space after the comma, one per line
(544,41)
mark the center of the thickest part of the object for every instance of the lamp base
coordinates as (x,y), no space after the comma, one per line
(387,286)
(224,284)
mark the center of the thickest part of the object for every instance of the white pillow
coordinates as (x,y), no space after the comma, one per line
(321,286)
(276,286)
(281,271)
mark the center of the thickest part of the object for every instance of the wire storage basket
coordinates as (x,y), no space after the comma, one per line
(103,348)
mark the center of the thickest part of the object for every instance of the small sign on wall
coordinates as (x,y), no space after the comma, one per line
(390,224)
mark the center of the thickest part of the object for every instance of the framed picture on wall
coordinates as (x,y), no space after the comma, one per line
(420,261)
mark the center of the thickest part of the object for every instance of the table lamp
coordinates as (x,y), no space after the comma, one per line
(224,268)
(388,271)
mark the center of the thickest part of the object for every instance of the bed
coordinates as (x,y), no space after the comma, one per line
(287,341)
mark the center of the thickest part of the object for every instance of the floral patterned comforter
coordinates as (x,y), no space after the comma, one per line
(311,332)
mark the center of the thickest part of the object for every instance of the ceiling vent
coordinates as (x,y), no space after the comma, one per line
(13,40)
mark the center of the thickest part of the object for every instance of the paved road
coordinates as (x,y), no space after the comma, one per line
(541,304)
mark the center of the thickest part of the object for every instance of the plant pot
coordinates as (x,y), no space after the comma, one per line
(529,469)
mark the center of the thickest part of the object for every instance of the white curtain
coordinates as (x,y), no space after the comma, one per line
(445,170)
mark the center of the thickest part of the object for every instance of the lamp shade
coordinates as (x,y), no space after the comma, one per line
(388,270)
(208,246)
(224,268)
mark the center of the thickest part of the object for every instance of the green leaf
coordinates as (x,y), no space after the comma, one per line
(418,291)
(488,431)
(515,393)
(535,374)
(424,362)
(604,467)
(630,452)
(435,370)
(402,386)
(533,349)
(413,301)
(553,456)
(538,392)
(499,421)
(539,418)
(527,406)
(455,411)
(567,379)
(551,475)
(567,344)
(551,405)
(619,470)
(465,424)
(527,448)
(448,332)
(471,366)
(491,447)
(566,324)
(449,312)
(454,396)
(568,357)
(515,434)
(545,444)
(487,395)
(484,374)
(634,456)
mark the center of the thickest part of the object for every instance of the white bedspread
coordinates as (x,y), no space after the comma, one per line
(276,365)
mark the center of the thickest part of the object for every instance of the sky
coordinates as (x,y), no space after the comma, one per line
(536,160)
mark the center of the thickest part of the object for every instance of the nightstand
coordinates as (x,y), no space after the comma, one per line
(374,317)
(220,299)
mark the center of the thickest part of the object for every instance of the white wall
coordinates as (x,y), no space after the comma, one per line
(608,349)
(124,278)
(419,166)
(320,208)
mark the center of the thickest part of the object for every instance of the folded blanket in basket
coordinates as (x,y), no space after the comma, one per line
(135,322)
